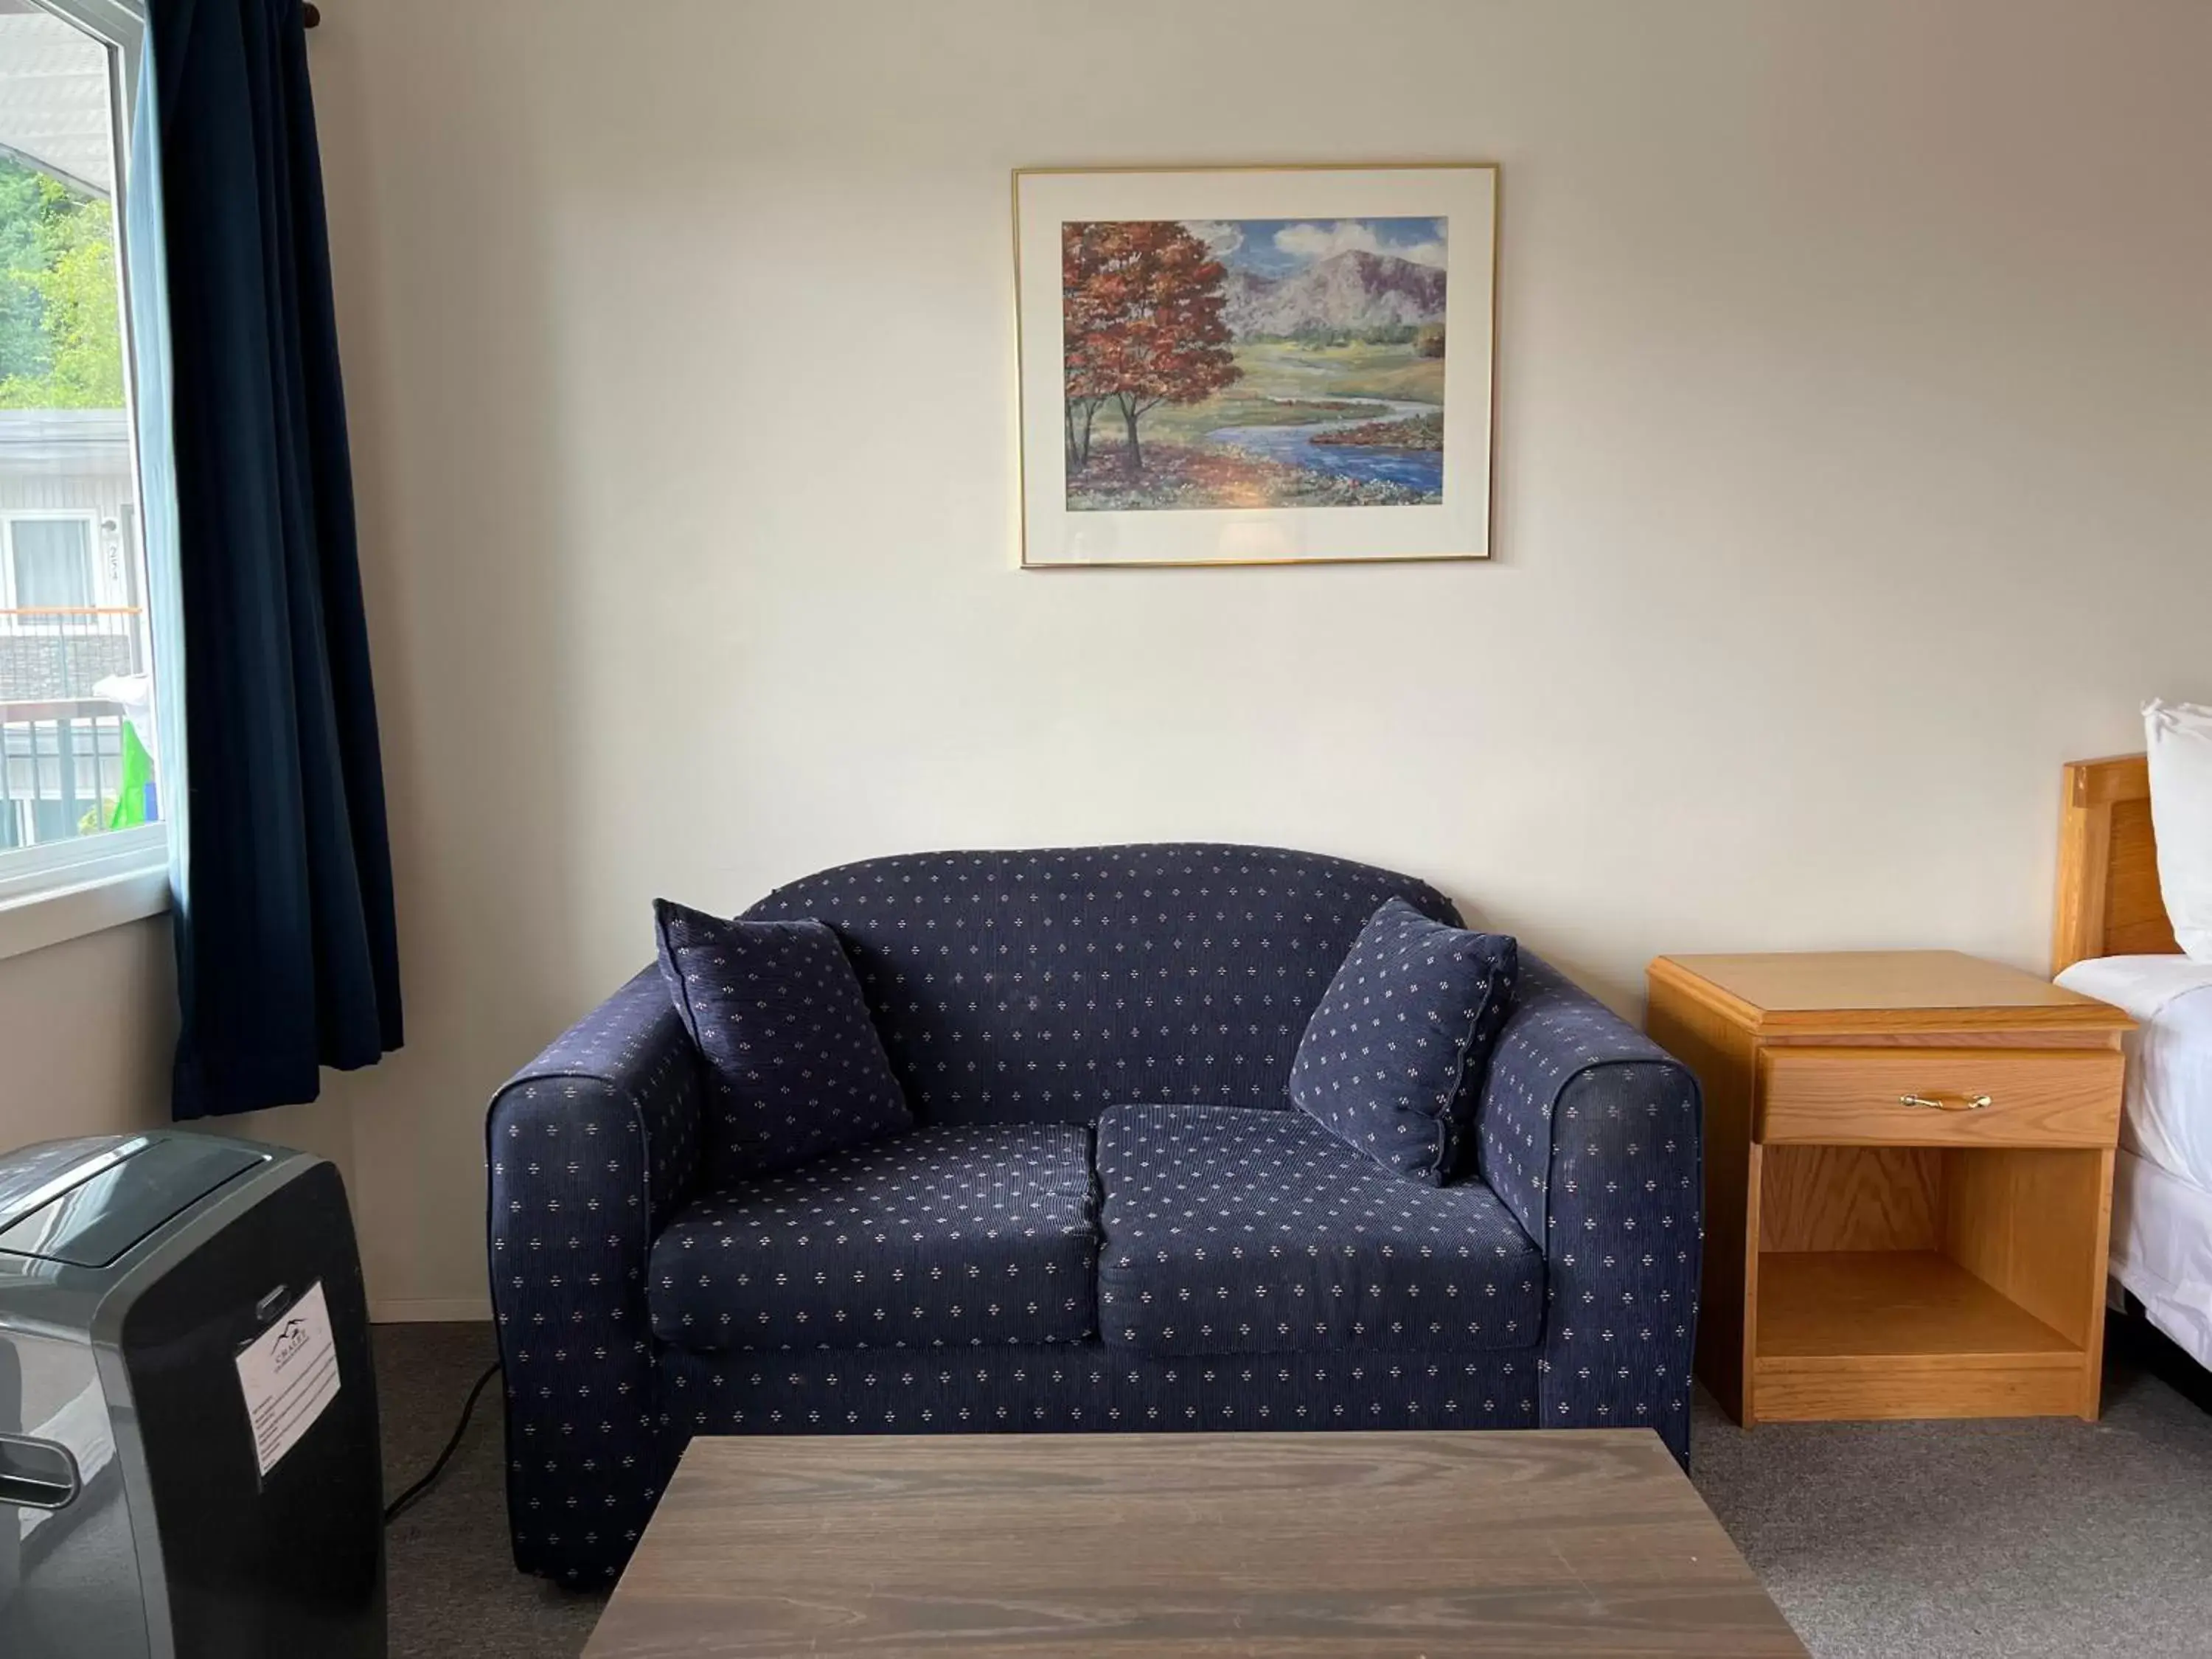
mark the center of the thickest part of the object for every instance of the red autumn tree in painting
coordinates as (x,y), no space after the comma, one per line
(1142,324)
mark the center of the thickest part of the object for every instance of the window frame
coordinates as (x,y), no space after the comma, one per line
(68,889)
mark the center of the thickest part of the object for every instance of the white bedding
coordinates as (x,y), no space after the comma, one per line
(2168,1116)
(2162,1184)
(2162,1250)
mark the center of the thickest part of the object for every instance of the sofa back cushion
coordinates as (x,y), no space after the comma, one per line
(1045,987)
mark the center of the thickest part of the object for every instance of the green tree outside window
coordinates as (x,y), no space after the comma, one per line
(61,327)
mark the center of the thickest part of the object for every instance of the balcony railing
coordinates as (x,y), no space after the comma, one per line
(67,766)
(55,654)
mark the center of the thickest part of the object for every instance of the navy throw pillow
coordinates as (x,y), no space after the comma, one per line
(794,1068)
(1393,1060)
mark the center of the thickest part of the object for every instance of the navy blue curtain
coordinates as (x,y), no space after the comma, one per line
(287,955)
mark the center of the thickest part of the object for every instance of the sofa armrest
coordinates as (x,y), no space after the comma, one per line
(592,1147)
(1591,1134)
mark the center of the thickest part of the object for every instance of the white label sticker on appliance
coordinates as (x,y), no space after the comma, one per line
(290,1376)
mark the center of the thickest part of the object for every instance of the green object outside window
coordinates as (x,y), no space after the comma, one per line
(137,772)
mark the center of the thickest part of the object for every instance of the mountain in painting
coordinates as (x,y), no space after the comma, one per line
(1351,293)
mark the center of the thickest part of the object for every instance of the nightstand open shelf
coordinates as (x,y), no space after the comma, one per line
(1900,1333)
(1908,1179)
(1841,1305)
(1921,1281)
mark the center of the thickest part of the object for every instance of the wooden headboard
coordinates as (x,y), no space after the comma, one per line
(2109,905)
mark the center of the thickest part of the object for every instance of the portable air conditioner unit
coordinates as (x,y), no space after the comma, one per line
(189,1462)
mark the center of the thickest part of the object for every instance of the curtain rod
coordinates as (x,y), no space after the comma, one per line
(314,15)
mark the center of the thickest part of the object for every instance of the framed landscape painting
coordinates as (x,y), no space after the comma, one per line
(1256,365)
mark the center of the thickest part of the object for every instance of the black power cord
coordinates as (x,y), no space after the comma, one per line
(400,1506)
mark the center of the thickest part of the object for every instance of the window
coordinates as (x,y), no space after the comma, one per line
(46,573)
(81,789)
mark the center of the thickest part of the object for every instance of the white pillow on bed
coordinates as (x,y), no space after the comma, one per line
(2179,738)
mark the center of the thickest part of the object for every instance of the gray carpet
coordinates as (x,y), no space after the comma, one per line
(1878,1541)
(2037,1536)
(454,1593)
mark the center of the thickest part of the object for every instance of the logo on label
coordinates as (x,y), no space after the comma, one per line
(289,1342)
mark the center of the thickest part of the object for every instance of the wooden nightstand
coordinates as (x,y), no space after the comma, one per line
(1908,1182)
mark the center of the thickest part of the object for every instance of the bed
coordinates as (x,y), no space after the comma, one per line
(2110,940)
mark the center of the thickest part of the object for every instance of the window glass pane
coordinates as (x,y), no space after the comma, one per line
(52,561)
(76,694)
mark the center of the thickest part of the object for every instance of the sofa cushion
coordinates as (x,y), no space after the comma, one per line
(1045,987)
(794,1069)
(954,1236)
(1236,1232)
(1394,1058)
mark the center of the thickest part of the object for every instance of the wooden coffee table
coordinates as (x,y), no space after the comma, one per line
(1555,1543)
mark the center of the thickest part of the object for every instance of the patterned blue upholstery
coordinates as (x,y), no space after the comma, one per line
(1086,1389)
(1046,987)
(1236,1232)
(1593,1135)
(795,1070)
(591,1147)
(1042,988)
(953,1235)
(1391,1060)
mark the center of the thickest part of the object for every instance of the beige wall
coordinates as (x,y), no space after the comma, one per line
(87,1031)
(1854,470)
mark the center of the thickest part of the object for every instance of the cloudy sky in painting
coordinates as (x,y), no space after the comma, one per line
(1275,247)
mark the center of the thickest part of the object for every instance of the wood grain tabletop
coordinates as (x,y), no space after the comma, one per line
(1558,1543)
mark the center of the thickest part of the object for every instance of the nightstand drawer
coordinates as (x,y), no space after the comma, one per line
(1939,1096)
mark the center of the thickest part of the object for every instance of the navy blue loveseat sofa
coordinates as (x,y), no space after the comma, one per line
(1107,1217)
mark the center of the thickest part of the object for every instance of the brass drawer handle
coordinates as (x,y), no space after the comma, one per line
(1945,1103)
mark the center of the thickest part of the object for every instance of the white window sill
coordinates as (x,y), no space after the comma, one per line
(48,916)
